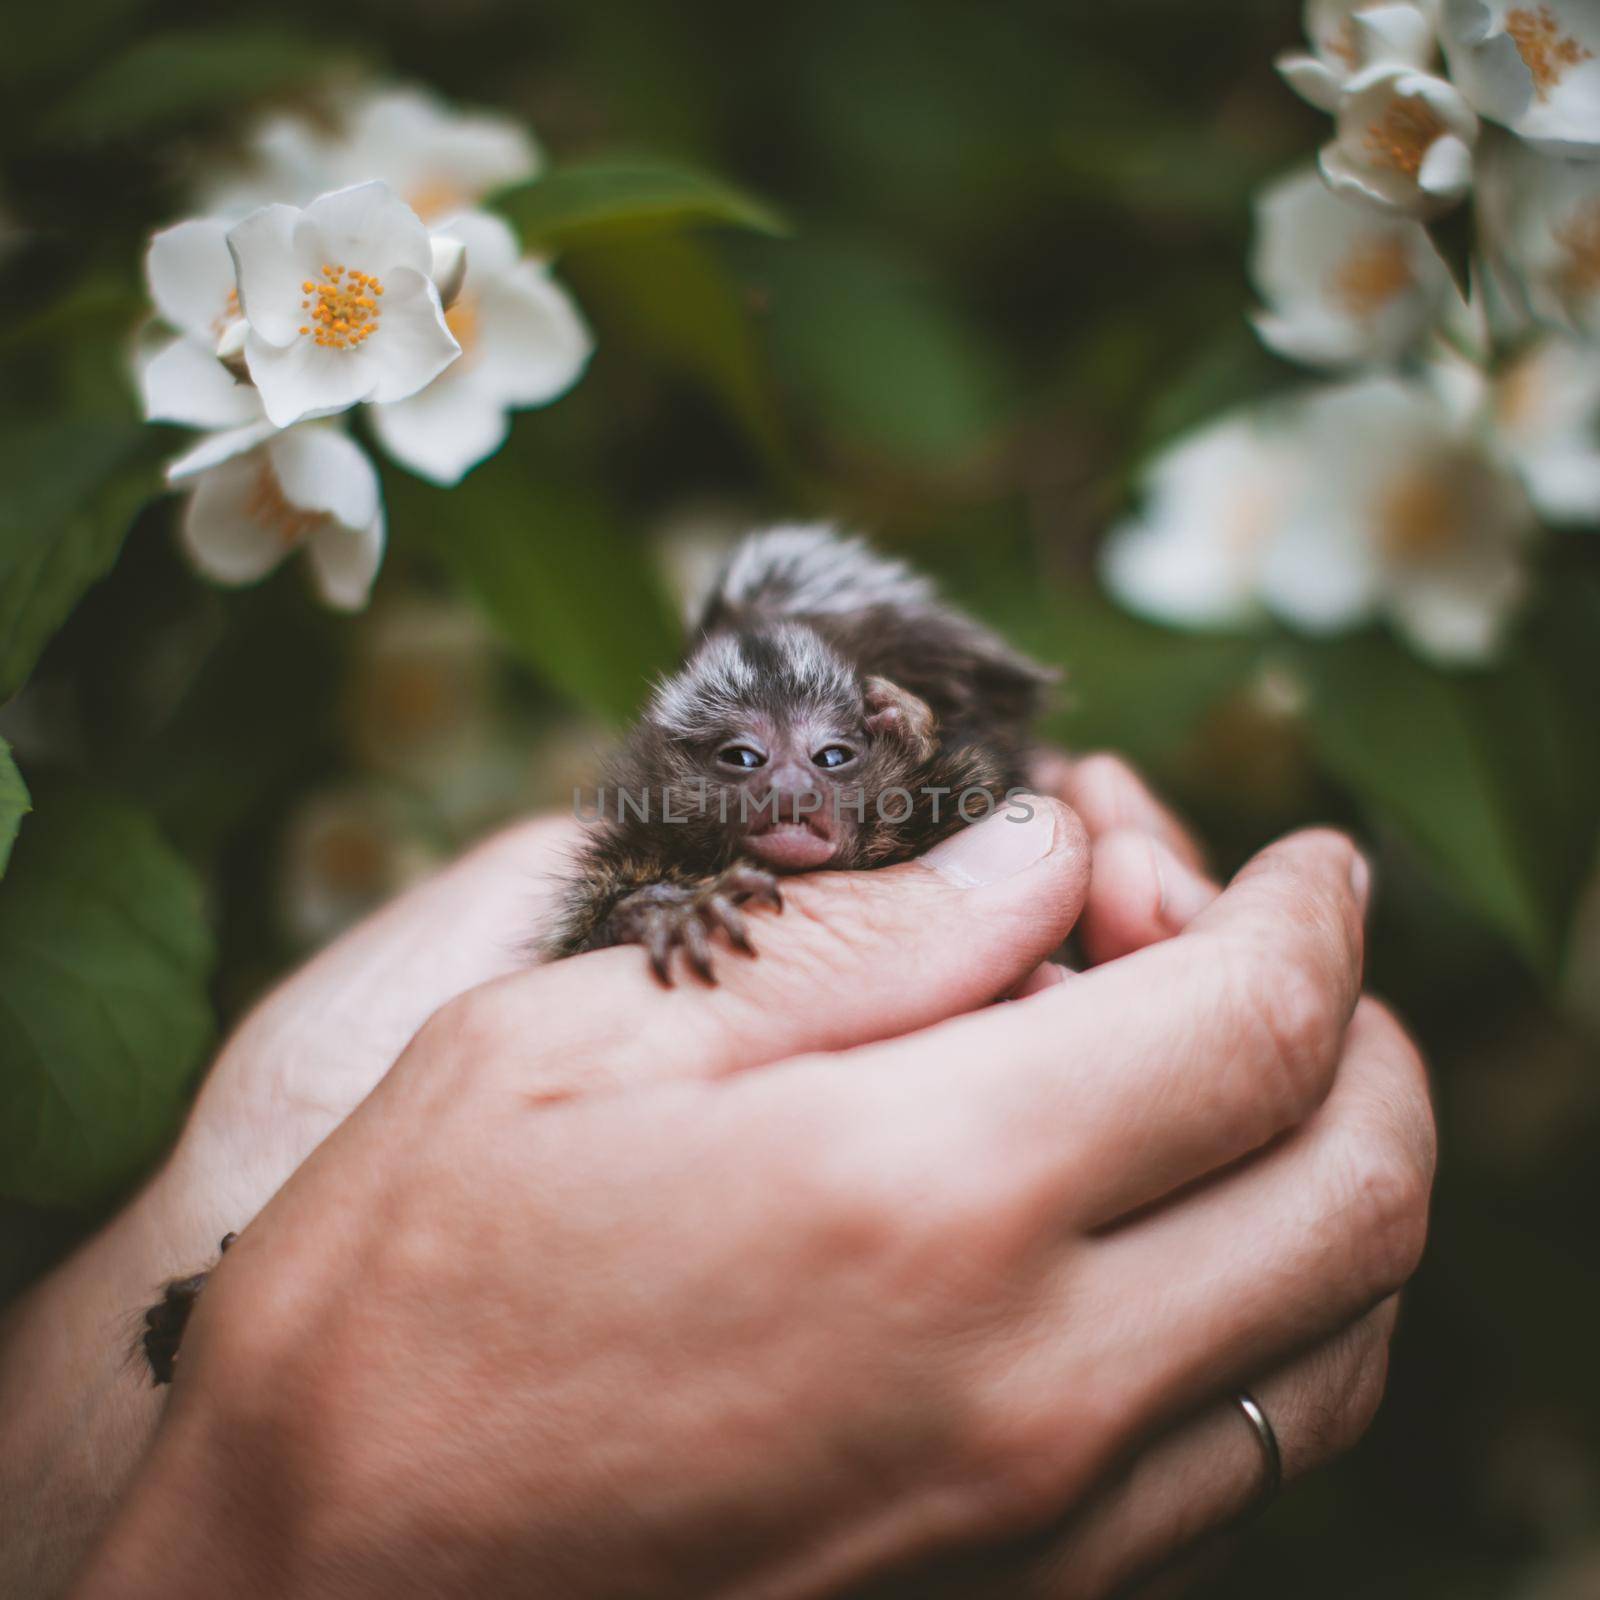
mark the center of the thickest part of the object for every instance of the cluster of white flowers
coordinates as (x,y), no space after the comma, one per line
(1410,484)
(344,268)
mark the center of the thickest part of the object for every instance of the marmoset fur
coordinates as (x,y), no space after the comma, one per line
(832,713)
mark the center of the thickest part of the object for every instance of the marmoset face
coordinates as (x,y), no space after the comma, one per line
(777,742)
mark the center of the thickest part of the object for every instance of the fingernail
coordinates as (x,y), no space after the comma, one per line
(1001,846)
(1182,893)
(1361,878)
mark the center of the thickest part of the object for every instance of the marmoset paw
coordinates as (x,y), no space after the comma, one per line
(665,917)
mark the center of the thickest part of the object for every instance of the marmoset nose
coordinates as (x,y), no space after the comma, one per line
(790,793)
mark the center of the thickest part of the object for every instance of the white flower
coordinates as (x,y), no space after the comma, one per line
(522,344)
(1541,225)
(259,494)
(345,851)
(1347,36)
(1402,513)
(1546,408)
(1404,142)
(191,280)
(1344,284)
(1213,501)
(1532,65)
(340,303)
(437,160)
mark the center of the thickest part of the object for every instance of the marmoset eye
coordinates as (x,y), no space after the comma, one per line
(834,755)
(744,756)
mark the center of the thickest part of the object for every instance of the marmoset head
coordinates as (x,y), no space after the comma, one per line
(771,738)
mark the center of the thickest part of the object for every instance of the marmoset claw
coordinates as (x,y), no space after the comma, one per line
(665,917)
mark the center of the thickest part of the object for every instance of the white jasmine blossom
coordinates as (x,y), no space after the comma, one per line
(346,851)
(438,160)
(522,341)
(1403,513)
(1344,284)
(1346,37)
(258,494)
(1213,502)
(191,280)
(340,303)
(1546,410)
(1404,142)
(1540,220)
(1531,65)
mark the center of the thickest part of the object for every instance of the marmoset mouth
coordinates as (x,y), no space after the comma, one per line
(793,846)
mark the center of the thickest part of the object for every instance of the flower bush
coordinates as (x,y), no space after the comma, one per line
(1416,491)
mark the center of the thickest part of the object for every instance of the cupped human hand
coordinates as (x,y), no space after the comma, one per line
(852,1276)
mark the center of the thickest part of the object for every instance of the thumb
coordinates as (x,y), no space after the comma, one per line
(854,957)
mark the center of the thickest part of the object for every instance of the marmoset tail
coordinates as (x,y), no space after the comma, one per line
(832,713)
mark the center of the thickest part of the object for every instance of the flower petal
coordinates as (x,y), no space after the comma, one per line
(368,226)
(438,160)
(216,448)
(191,275)
(492,246)
(303,380)
(1319,572)
(345,561)
(184,383)
(322,469)
(1213,501)
(444,431)
(1387,191)
(533,343)
(1459,619)
(1446,170)
(272,262)
(1400,33)
(223,536)
(414,344)
(1312,80)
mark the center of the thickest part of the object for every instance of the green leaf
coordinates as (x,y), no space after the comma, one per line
(670,300)
(68,491)
(882,358)
(189,73)
(1130,685)
(601,199)
(104,1019)
(547,562)
(1494,776)
(14,803)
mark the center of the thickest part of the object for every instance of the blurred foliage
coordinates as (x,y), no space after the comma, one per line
(104,957)
(942,271)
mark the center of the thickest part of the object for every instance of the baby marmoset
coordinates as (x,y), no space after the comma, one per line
(832,713)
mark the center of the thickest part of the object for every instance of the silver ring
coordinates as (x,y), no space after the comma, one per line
(1271,1455)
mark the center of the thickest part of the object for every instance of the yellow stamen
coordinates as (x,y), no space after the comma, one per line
(1580,242)
(1545,50)
(462,321)
(270,508)
(1341,43)
(343,314)
(1372,275)
(1402,138)
(434,200)
(1421,513)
